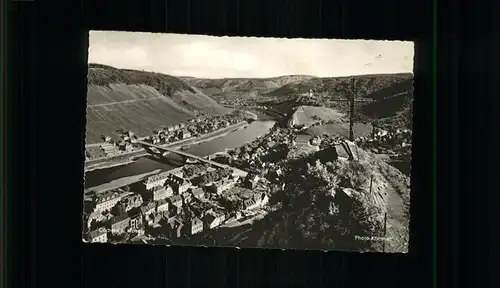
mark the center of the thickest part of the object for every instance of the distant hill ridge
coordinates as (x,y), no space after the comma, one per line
(283,86)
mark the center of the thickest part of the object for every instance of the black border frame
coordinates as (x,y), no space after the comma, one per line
(55,49)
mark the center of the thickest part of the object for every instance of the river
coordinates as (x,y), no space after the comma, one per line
(148,164)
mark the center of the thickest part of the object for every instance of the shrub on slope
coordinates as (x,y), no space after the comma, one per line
(316,213)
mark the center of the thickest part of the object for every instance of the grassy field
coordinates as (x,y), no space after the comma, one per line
(307,115)
(340,129)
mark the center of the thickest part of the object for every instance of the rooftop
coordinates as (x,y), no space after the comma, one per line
(249,202)
(157,177)
(175,198)
(198,191)
(196,221)
(162,202)
(119,218)
(148,206)
(96,233)
(158,188)
(109,195)
(209,218)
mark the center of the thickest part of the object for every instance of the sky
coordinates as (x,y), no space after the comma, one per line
(248,57)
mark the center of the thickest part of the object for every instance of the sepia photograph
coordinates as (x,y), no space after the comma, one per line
(273,143)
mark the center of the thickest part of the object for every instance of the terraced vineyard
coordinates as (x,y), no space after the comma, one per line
(139,101)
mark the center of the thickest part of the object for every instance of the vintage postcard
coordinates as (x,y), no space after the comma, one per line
(248,142)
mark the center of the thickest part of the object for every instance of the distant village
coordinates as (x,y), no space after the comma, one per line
(184,202)
(196,127)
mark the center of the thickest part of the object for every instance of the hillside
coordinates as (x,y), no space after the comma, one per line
(139,101)
(333,201)
(330,202)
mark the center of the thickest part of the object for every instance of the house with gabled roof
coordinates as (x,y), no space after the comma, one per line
(221,186)
(175,203)
(198,193)
(162,206)
(156,180)
(210,221)
(148,208)
(250,204)
(107,200)
(196,226)
(179,184)
(98,236)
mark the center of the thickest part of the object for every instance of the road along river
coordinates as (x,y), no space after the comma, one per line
(109,178)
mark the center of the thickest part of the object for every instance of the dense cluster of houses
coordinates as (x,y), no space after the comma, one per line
(396,141)
(197,126)
(167,198)
(262,146)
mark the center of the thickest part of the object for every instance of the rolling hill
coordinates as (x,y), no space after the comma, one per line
(284,86)
(139,101)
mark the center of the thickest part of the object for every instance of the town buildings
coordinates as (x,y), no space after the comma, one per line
(176,202)
(119,223)
(162,206)
(131,201)
(161,192)
(107,200)
(255,201)
(109,149)
(250,204)
(98,236)
(198,193)
(184,134)
(315,141)
(251,181)
(221,186)
(156,180)
(177,172)
(179,184)
(211,221)
(196,226)
(148,208)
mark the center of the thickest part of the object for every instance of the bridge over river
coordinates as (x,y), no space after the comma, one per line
(181,153)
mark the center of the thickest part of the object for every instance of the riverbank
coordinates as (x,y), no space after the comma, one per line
(129,157)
